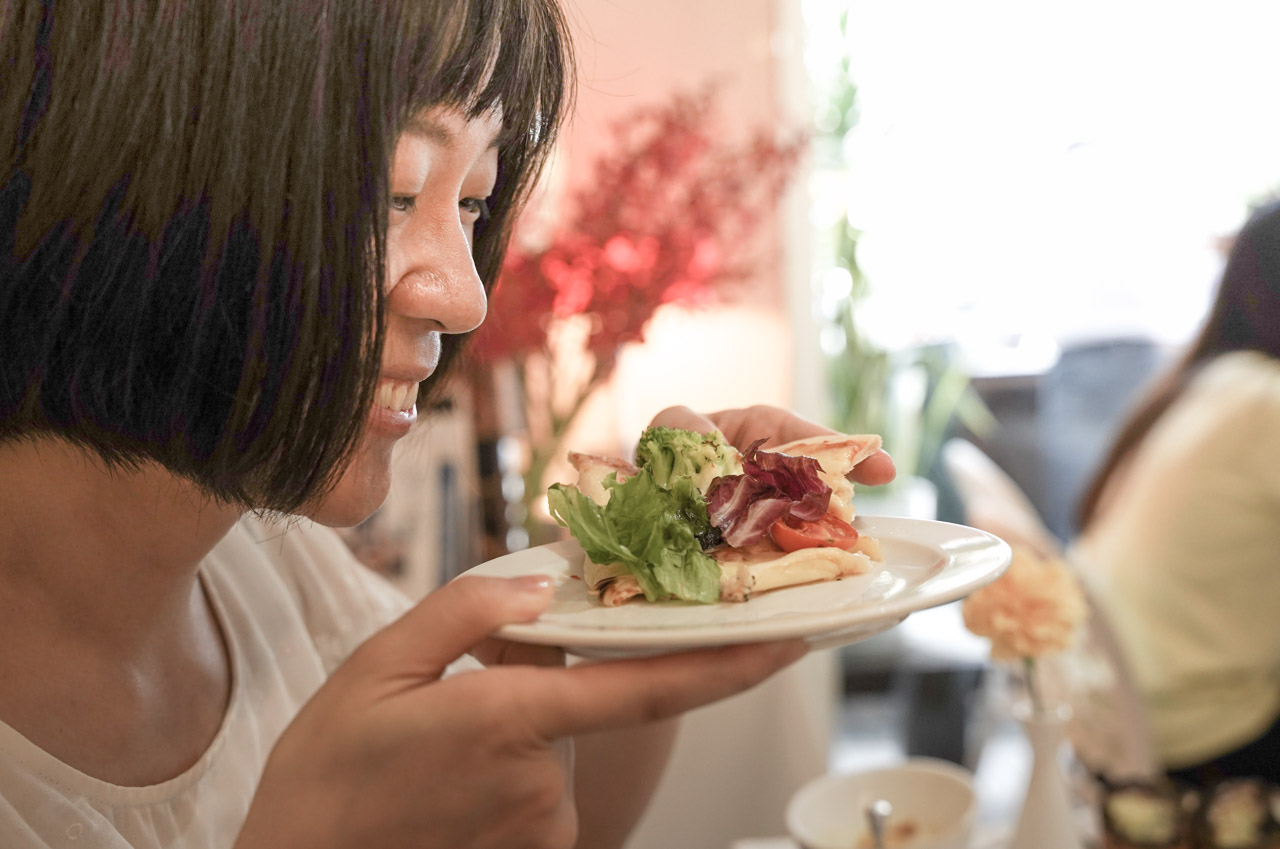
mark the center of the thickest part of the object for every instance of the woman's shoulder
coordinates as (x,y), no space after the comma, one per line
(1248,377)
(1231,408)
(1252,364)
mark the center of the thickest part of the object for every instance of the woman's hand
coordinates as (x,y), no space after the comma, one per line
(744,426)
(389,754)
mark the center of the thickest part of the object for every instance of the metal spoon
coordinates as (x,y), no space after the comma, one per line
(878,813)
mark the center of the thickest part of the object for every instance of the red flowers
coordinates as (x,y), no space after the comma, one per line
(667,216)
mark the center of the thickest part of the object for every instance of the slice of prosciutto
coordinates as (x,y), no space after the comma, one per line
(837,455)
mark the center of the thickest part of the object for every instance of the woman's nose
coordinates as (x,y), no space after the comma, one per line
(434,279)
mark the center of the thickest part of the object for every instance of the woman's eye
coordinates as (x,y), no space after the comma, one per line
(402,203)
(475,206)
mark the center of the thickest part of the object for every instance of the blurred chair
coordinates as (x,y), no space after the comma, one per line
(993,502)
(1109,730)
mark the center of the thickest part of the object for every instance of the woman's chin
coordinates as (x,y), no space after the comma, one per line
(340,515)
(356,497)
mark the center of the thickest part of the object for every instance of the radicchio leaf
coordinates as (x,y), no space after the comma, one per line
(772,486)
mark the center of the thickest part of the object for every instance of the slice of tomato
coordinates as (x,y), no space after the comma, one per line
(828,532)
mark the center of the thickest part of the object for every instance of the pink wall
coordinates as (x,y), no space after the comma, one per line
(639,51)
(634,52)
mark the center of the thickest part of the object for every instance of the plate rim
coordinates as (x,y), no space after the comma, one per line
(810,625)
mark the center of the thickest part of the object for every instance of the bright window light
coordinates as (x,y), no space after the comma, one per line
(1045,171)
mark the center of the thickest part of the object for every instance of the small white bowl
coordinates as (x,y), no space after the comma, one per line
(934,797)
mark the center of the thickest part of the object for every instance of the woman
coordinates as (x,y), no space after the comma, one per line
(238,238)
(1181,528)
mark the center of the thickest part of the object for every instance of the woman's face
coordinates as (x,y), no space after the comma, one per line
(443,168)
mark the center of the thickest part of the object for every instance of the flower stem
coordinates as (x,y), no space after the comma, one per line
(546,436)
(1029,669)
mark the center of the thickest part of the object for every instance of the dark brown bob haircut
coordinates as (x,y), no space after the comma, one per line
(193,209)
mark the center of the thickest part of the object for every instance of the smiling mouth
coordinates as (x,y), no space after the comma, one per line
(396,395)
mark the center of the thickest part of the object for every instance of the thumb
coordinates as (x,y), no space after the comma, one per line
(683,418)
(454,618)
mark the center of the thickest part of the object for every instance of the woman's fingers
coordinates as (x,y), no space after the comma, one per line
(461,617)
(742,426)
(616,694)
(875,470)
(684,418)
(498,652)
(453,620)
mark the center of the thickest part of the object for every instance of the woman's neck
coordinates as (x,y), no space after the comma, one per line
(111,547)
(99,586)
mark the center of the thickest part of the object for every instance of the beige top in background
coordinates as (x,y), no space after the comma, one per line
(1186,559)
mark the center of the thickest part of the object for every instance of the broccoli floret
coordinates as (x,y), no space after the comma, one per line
(671,453)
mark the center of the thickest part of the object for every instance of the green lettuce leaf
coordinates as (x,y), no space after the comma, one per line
(650,529)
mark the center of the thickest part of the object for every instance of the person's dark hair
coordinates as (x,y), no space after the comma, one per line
(1245,317)
(193,208)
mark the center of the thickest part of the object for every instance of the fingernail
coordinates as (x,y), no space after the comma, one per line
(533,584)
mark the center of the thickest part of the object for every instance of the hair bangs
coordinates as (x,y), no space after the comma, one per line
(478,55)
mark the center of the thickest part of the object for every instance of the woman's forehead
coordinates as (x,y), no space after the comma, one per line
(451,126)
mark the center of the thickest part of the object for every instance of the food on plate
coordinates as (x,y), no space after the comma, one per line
(696,520)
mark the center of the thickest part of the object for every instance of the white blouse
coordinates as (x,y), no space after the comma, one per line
(293,603)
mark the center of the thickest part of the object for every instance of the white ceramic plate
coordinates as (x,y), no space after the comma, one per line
(925,564)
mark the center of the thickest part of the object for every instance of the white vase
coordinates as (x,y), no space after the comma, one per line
(1047,820)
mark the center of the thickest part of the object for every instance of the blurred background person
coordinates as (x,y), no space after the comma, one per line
(1180,531)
